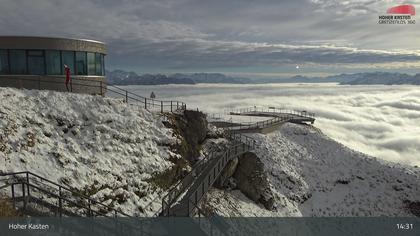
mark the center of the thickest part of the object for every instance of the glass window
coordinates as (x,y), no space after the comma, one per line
(98,61)
(68,59)
(103,64)
(36,62)
(36,53)
(91,63)
(17,61)
(4,62)
(81,63)
(53,59)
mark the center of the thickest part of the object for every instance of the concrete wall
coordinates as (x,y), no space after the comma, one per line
(80,84)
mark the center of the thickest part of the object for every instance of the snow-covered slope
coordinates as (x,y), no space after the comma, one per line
(87,142)
(313,175)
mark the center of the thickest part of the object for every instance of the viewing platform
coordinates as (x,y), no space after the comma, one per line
(278,117)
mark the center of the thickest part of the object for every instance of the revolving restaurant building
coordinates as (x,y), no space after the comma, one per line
(38,63)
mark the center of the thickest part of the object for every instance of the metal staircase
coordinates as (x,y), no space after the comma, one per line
(35,196)
(38,196)
(183,199)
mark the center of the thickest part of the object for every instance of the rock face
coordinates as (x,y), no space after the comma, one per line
(252,180)
(191,128)
(227,173)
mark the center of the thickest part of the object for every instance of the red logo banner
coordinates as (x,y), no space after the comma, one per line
(403,10)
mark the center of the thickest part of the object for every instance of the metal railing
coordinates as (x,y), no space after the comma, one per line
(27,187)
(261,124)
(40,82)
(211,167)
(272,111)
(97,87)
(182,185)
(243,144)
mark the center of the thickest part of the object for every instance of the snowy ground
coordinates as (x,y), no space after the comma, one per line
(379,120)
(313,175)
(86,142)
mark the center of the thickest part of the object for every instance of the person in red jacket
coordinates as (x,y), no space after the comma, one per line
(68,78)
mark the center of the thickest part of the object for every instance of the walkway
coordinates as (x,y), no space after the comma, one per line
(279,117)
(184,201)
(183,198)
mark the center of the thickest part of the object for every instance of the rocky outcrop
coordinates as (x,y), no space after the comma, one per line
(252,180)
(191,128)
(224,179)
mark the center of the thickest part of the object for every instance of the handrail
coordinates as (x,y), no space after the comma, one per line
(65,206)
(248,145)
(103,87)
(260,124)
(150,99)
(175,191)
(238,139)
(273,110)
(80,206)
(28,176)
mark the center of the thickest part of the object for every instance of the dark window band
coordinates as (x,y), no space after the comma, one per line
(50,62)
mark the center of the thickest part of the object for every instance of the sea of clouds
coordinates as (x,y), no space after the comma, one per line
(382,121)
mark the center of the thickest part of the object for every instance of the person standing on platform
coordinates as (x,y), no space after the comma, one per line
(68,78)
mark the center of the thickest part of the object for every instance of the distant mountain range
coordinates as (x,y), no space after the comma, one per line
(383,78)
(370,78)
(120,77)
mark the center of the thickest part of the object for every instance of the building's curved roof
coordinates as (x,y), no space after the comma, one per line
(50,43)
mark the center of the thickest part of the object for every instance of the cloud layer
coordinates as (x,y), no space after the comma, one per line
(203,35)
(378,120)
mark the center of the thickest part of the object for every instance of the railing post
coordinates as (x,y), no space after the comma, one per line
(23,195)
(145,103)
(177,104)
(161,106)
(126,96)
(171,106)
(27,183)
(90,209)
(163,207)
(188,207)
(60,202)
(13,196)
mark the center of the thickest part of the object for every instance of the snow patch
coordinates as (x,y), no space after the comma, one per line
(313,175)
(98,145)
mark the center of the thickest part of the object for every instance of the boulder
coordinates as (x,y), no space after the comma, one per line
(227,173)
(253,181)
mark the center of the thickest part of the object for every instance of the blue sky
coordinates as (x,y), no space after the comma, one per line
(264,38)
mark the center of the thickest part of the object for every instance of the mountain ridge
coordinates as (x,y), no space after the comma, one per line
(120,77)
